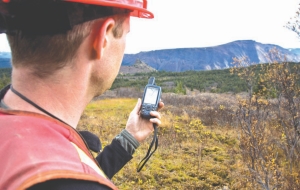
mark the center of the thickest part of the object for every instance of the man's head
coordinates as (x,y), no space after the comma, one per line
(45,54)
(49,32)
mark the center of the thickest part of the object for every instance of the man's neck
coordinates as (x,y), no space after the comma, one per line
(65,98)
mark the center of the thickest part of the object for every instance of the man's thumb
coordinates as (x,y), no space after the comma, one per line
(137,106)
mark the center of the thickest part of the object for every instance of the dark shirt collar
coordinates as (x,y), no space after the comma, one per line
(3,91)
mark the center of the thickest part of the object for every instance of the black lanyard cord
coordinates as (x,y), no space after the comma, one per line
(148,155)
(34,104)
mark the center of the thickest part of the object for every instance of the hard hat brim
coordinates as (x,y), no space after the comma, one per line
(137,8)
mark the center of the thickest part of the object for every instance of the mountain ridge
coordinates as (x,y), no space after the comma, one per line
(184,59)
(208,58)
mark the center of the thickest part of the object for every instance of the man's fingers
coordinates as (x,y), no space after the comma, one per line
(155,114)
(160,105)
(155,120)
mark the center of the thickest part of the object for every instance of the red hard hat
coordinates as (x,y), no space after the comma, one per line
(139,7)
(56,16)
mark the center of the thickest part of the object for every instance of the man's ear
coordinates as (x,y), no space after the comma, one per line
(102,36)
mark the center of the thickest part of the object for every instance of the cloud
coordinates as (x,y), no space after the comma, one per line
(203,23)
(4,47)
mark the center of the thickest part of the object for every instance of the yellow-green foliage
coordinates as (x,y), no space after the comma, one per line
(190,155)
(106,118)
(267,118)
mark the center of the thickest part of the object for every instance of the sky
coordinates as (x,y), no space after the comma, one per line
(205,23)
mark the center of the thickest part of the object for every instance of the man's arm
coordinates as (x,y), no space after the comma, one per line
(115,155)
(113,158)
(119,152)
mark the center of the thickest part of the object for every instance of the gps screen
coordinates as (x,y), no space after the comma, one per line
(151,95)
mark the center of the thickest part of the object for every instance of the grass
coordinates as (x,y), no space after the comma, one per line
(190,155)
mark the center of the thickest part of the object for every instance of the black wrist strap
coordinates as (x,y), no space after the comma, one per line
(149,153)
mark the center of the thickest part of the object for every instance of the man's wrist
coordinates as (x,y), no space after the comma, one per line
(128,142)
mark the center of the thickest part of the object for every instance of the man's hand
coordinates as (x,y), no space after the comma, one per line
(141,128)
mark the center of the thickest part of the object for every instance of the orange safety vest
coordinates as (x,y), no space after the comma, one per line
(35,148)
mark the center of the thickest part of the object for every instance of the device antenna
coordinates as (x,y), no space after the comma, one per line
(151,80)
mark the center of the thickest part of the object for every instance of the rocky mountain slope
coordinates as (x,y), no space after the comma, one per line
(138,67)
(216,57)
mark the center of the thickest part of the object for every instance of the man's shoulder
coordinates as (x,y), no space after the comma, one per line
(19,129)
(27,123)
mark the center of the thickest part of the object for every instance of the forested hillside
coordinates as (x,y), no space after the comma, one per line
(4,77)
(216,81)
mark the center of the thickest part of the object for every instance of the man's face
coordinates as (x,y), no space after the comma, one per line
(118,48)
(111,60)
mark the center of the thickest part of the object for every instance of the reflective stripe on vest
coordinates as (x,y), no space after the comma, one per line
(88,161)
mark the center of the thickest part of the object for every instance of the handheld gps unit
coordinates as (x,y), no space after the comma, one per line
(150,99)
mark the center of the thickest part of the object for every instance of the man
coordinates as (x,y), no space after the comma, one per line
(64,53)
